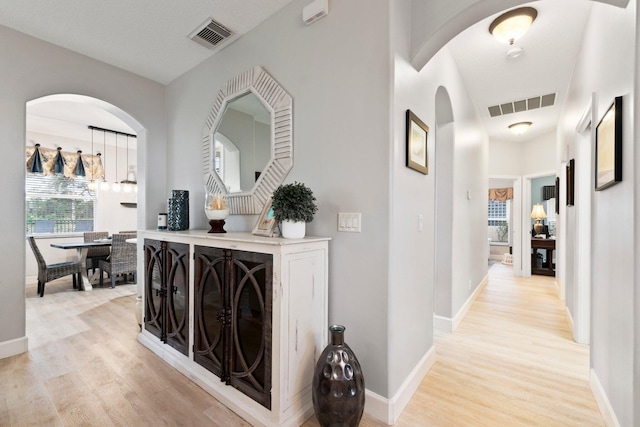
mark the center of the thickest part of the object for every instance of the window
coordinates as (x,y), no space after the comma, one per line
(497,212)
(55,204)
(498,220)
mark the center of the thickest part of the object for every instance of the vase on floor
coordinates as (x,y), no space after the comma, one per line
(338,384)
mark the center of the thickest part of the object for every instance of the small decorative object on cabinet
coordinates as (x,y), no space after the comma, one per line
(338,384)
(293,206)
(217,210)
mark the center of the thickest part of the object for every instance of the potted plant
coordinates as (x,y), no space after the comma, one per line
(293,206)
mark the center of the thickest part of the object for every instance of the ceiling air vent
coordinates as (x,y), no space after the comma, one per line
(210,34)
(522,105)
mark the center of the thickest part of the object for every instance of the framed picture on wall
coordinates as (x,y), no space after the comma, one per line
(571,173)
(609,147)
(417,133)
(557,195)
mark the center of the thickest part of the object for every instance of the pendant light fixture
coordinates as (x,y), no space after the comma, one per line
(116,185)
(511,25)
(104,185)
(92,181)
(130,182)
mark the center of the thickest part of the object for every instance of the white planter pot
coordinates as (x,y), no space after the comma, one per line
(293,230)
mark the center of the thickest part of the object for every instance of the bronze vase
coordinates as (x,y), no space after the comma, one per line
(338,384)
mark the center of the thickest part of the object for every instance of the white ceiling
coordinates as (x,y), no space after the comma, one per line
(550,49)
(146,37)
(149,38)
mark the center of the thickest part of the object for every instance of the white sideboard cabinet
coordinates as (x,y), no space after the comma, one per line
(243,316)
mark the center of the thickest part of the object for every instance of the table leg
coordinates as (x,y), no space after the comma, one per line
(82,257)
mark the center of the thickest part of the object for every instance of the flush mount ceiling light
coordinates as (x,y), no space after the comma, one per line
(520,127)
(512,25)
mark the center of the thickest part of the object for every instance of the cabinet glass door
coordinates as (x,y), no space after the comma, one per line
(209,311)
(177,317)
(153,319)
(251,308)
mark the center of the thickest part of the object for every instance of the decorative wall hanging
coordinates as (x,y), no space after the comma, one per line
(62,163)
(59,163)
(34,161)
(417,133)
(609,147)
(79,169)
(501,194)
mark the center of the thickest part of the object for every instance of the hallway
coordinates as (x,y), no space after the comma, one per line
(510,363)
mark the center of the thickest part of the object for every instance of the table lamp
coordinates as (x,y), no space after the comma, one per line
(538,213)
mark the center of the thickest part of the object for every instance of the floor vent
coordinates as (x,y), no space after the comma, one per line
(210,34)
(522,105)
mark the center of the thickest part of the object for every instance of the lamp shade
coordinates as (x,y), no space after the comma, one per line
(538,211)
(513,24)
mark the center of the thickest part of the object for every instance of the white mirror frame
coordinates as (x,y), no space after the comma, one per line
(280,105)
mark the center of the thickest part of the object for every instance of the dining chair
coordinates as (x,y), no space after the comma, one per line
(123,259)
(95,255)
(49,272)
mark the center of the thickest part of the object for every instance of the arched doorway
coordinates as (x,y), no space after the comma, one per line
(104,135)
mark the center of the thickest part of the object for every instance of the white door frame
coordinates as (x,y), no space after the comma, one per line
(526,219)
(515,221)
(585,154)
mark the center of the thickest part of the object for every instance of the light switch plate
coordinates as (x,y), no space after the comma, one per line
(350,222)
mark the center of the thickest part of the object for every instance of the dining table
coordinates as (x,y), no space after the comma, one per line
(81,249)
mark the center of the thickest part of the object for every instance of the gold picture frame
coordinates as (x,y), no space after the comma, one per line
(266,223)
(417,135)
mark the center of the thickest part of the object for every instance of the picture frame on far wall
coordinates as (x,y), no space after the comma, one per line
(557,194)
(609,146)
(417,135)
(266,223)
(571,173)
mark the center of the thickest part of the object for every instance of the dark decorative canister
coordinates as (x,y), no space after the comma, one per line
(338,384)
(178,210)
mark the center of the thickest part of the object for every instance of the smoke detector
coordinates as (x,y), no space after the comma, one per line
(210,34)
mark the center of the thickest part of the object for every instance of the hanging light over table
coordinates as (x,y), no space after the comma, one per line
(116,185)
(104,185)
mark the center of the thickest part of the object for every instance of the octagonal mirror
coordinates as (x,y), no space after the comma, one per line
(247,141)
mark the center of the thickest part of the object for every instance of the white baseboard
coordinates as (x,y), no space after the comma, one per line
(602,400)
(389,410)
(13,347)
(447,325)
(569,317)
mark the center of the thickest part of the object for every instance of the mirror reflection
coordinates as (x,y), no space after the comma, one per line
(242,143)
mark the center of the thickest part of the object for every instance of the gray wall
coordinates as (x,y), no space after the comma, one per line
(609,39)
(33,69)
(337,72)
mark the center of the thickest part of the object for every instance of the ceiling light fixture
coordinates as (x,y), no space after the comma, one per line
(512,25)
(520,127)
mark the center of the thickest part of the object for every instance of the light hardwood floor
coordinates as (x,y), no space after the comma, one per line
(510,363)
